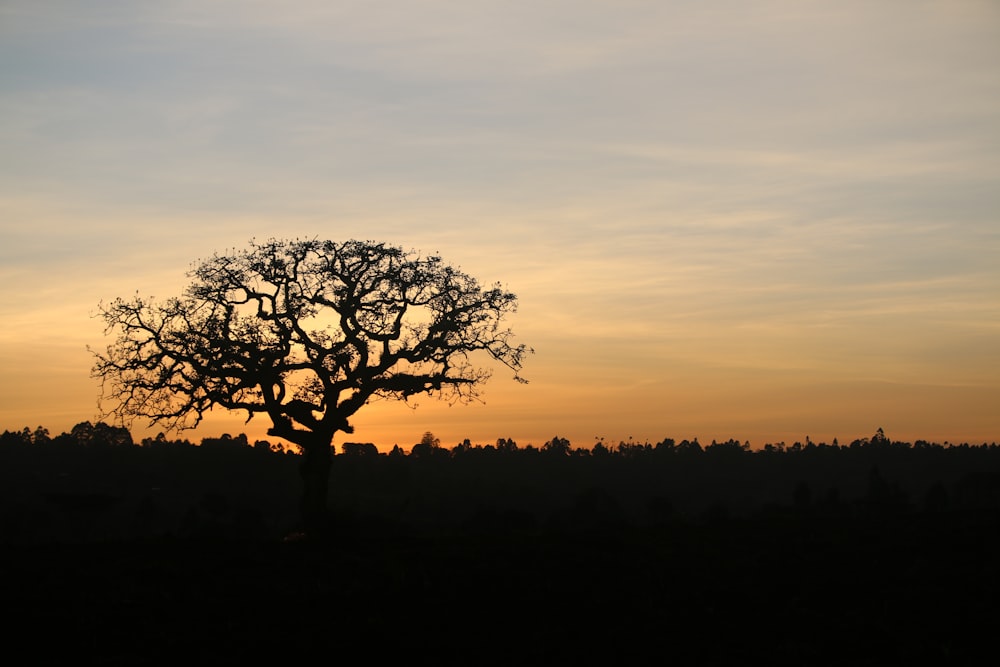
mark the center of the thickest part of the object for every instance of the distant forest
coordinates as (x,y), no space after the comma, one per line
(96,483)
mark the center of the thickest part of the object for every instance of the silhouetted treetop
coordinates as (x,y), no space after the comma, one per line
(306,331)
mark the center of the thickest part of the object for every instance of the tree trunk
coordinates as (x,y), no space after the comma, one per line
(315,471)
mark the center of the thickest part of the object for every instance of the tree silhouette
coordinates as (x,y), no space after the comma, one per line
(429,443)
(306,332)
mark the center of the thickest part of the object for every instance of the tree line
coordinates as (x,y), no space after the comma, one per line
(101,434)
(526,485)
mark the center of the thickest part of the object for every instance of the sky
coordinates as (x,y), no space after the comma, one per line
(752,220)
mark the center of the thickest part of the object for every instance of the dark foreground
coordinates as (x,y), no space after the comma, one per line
(777,591)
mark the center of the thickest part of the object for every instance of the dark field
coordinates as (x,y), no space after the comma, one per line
(782,593)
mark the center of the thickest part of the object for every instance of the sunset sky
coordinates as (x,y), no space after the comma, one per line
(751,220)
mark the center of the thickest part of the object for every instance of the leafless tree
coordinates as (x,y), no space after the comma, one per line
(306,332)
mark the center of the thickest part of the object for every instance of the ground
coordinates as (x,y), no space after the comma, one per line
(775,591)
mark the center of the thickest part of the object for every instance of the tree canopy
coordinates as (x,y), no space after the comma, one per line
(307,332)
